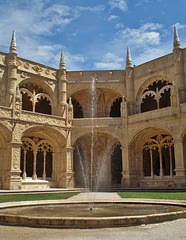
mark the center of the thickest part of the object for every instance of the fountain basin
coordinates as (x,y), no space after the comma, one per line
(60,214)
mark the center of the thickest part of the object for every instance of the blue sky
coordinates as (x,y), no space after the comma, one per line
(94,34)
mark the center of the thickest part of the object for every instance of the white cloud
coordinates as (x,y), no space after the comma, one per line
(150,54)
(145,35)
(119,25)
(179,26)
(109,61)
(113,17)
(98,8)
(34,22)
(121,4)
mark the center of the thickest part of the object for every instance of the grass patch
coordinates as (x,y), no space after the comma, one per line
(35,197)
(154,195)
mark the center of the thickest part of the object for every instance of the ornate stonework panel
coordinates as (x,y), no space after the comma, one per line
(36,69)
(44,119)
(15,156)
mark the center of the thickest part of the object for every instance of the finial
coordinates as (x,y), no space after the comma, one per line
(128,59)
(177,43)
(62,61)
(13,44)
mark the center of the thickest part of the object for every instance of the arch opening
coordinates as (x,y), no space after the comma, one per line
(35,99)
(115,108)
(157,95)
(158,157)
(116,164)
(97,162)
(36,158)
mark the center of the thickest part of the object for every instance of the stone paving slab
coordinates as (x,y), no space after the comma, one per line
(95,196)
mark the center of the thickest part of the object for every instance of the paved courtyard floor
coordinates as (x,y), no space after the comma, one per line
(162,231)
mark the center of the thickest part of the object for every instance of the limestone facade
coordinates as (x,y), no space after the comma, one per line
(62,128)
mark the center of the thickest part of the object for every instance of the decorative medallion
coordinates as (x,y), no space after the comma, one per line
(27,65)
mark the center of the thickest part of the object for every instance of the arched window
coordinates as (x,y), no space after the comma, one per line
(157,95)
(115,108)
(116,164)
(36,158)
(78,111)
(158,157)
(35,99)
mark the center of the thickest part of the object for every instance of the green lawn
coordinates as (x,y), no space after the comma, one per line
(154,195)
(34,197)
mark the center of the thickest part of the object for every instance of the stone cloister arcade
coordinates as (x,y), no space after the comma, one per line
(132,135)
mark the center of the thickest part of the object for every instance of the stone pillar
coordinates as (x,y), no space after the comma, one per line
(124,112)
(180,163)
(15,179)
(125,181)
(179,73)
(69,169)
(129,173)
(179,66)
(129,83)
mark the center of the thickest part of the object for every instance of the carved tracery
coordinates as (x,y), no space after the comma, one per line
(158,156)
(35,99)
(156,95)
(36,158)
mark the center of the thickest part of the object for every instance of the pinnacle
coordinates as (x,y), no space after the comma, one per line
(13,44)
(128,59)
(62,61)
(177,43)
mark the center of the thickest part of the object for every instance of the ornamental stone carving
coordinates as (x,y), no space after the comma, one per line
(27,65)
(15,157)
(37,69)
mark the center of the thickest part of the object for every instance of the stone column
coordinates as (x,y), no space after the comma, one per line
(69,168)
(179,66)
(129,174)
(180,162)
(125,181)
(15,179)
(34,176)
(44,165)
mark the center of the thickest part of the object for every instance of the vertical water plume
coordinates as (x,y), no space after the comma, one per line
(93,113)
(83,167)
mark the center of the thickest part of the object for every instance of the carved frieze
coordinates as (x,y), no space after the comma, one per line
(42,119)
(37,69)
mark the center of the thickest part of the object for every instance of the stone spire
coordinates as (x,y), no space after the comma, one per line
(128,59)
(12,48)
(177,43)
(62,61)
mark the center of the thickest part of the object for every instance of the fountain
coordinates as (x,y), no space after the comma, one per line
(90,213)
